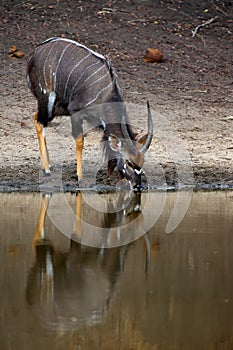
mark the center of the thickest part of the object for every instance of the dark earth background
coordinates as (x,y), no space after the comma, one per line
(192,87)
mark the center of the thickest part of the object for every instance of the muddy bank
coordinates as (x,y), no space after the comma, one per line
(191,88)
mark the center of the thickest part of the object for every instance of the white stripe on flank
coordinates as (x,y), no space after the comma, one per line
(80,77)
(44,66)
(100,92)
(58,64)
(51,73)
(51,70)
(95,72)
(67,81)
(99,79)
(40,49)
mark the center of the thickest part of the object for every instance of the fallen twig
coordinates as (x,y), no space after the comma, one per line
(218,9)
(194,32)
(110,10)
(115,10)
(18,27)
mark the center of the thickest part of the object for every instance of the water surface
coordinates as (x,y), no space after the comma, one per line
(161,291)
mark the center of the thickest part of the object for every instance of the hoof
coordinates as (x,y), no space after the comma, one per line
(47,172)
(46,194)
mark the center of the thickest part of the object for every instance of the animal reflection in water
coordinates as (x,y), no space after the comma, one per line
(72,288)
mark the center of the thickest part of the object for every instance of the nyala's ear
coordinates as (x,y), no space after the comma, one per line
(142,139)
(114,143)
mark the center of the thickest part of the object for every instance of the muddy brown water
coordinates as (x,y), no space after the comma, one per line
(159,291)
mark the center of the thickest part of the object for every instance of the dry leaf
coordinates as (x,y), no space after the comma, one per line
(17,54)
(12,49)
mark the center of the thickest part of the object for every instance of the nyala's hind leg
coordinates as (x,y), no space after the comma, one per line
(39,232)
(40,130)
(77,230)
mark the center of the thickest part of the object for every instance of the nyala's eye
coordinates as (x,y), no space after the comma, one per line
(130,164)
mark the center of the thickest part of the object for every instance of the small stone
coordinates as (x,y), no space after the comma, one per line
(153,55)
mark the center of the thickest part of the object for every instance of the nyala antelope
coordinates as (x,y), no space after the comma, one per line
(66,78)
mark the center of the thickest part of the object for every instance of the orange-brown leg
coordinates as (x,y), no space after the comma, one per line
(40,130)
(39,232)
(78,220)
(46,283)
(79,149)
(47,153)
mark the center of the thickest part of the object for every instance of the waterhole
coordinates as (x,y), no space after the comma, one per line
(62,288)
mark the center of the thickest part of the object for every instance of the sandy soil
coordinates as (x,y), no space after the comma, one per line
(190,91)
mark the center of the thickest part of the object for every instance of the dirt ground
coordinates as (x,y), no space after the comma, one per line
(191,89)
